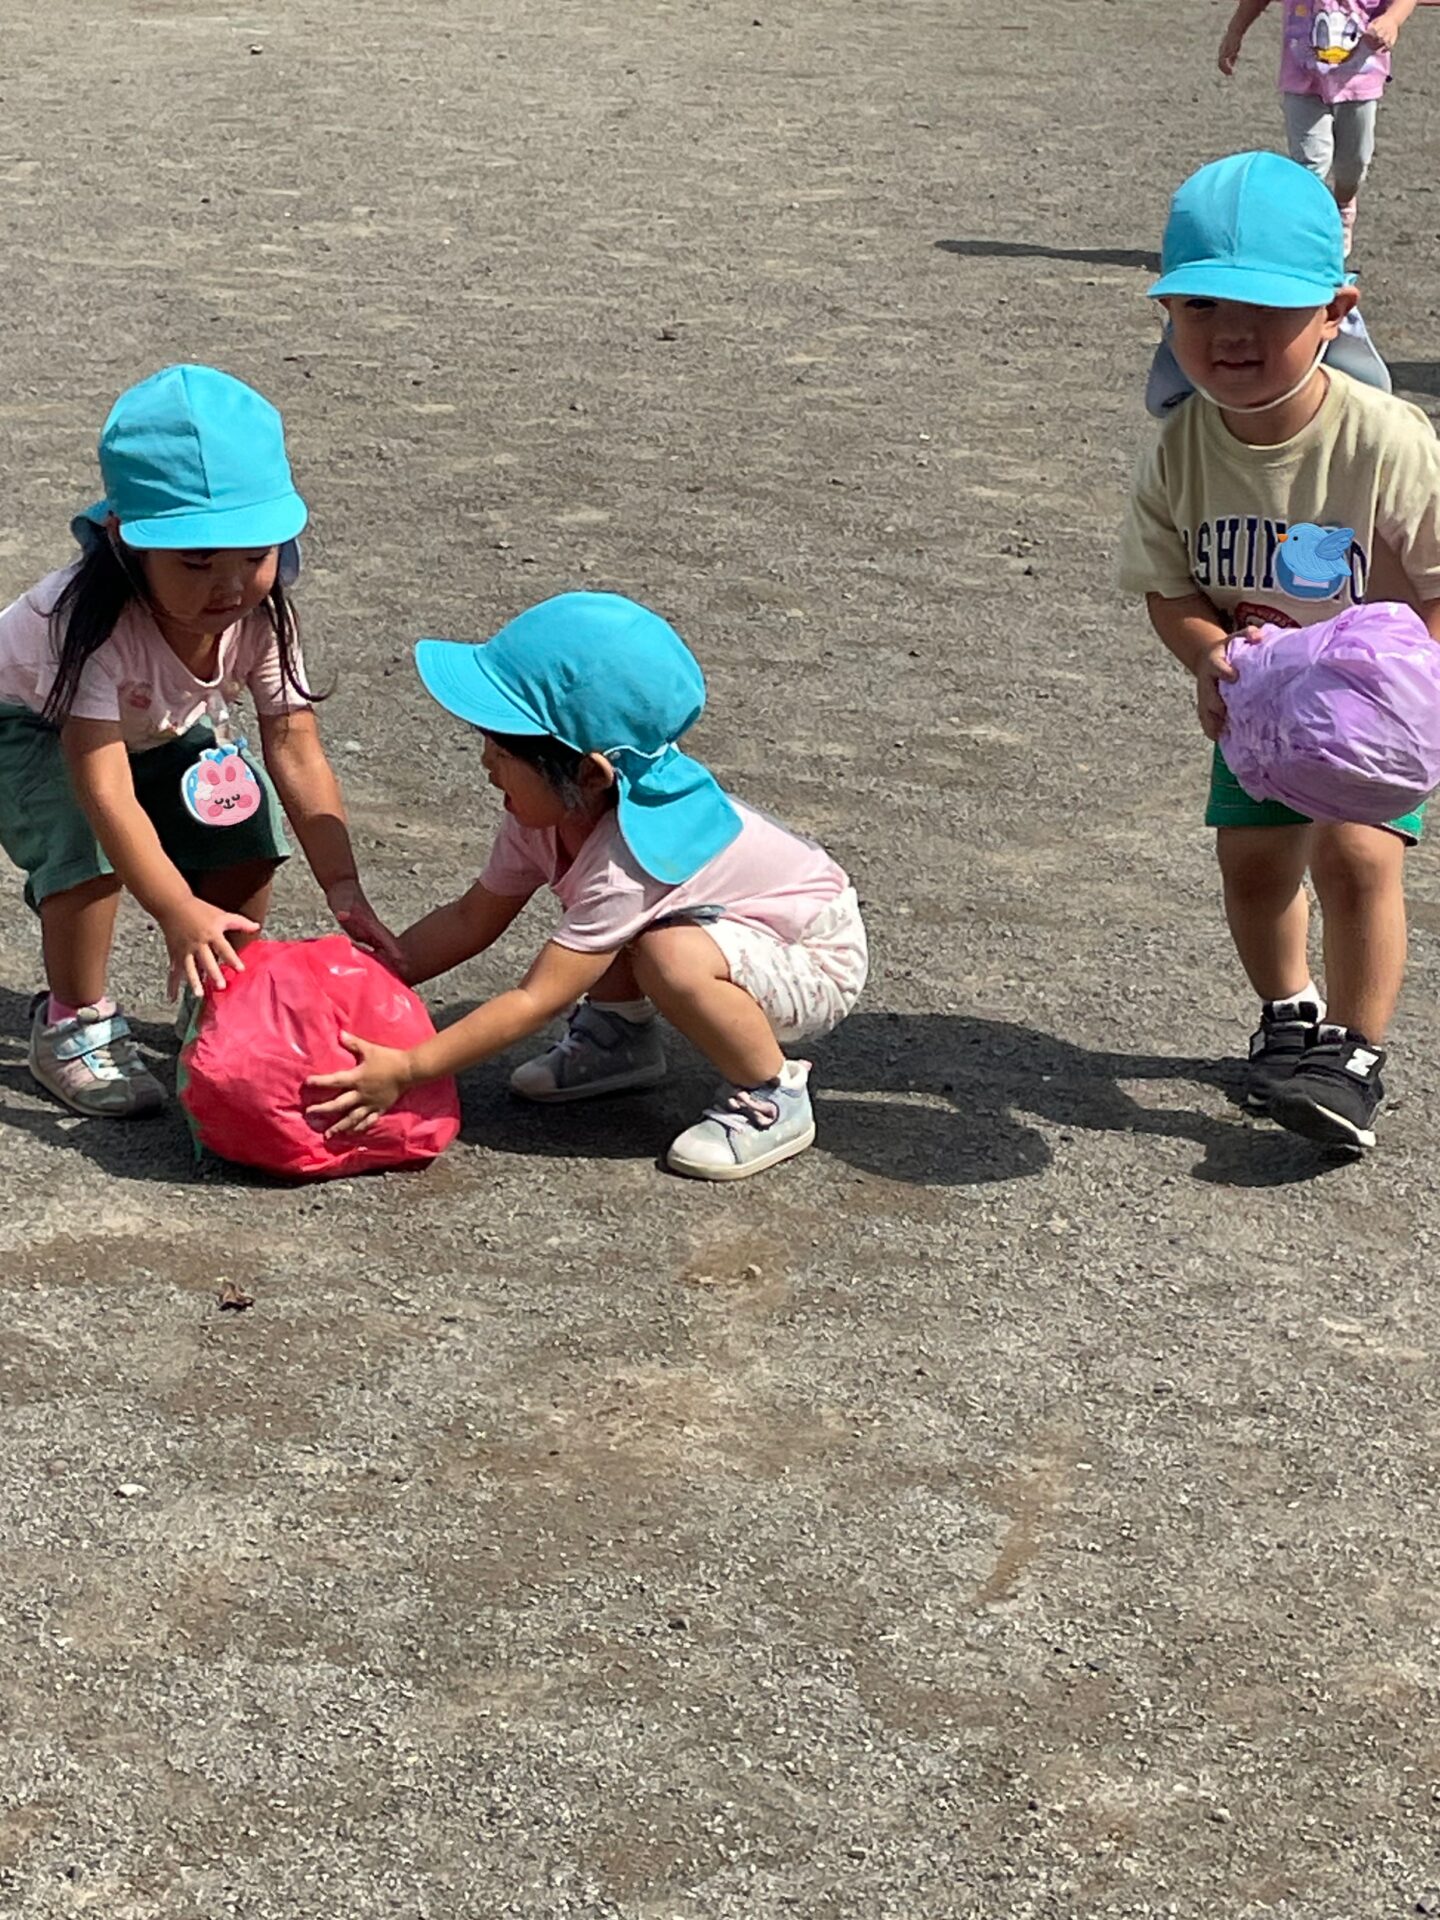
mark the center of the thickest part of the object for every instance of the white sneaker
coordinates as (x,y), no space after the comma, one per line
(91,1062)
(599,1053)
(748,1128)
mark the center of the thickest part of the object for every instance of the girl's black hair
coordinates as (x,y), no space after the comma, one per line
(557,764)
(92,601)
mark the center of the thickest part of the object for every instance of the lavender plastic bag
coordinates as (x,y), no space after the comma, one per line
(1340,721)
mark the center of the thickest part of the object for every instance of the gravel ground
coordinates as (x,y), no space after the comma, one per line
(1023,1505)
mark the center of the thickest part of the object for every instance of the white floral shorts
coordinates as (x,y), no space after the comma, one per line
(806,986)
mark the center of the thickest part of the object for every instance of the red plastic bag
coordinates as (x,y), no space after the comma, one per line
(253,1047)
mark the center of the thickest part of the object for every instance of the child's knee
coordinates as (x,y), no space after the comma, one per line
(1353,864)
(675,957)
(1260,863)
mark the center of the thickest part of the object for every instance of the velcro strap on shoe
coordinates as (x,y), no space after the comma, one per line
(92,1037)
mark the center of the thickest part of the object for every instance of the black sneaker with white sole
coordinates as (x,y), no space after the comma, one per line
(1333,1095)
(1277,1046)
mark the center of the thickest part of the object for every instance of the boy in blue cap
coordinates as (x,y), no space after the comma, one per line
(744,935)
(1277,455)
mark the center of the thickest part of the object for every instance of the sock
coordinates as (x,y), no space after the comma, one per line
(637,1012)
(1309,992)
(58,1010)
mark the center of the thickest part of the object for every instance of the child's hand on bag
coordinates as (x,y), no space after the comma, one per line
(346,900)
(363,1092)
(1212,669)
(196,937)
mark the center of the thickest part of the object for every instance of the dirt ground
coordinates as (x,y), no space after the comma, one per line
(1023,1505)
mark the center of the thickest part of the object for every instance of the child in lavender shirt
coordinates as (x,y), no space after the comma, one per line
(1334,66)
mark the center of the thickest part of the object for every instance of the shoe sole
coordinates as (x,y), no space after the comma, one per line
(1317,1123)
(694,1170)
(621,1083)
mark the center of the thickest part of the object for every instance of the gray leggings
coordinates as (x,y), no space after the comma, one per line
(1322,135)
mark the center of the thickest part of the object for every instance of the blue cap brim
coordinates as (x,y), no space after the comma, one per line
(453,672)
(269,524)
(1254,286)
(86,526)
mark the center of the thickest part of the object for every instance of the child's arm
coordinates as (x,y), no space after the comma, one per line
(1196,635)
(455,932)
(1430,614)
(310,794)
(1384,29)
(557,979)
(1246,13)
(195,932)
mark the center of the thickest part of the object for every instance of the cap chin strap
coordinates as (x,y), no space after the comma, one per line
(1266,406)
(640,753)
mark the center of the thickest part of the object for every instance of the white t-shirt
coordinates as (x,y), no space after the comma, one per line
(135,678)
(768,878)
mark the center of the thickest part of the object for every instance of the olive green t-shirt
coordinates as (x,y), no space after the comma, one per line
(1346,511)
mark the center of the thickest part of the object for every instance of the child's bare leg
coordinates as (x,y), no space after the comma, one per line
(618,982)
(1359,877)
(244,888)
(77,931)
(686,975)
(1263,869)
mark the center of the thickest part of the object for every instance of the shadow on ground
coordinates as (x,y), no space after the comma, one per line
(1025,250)
(930,1099)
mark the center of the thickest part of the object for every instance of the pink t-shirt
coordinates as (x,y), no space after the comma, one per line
(1315,28)
(135,678)
(767,878)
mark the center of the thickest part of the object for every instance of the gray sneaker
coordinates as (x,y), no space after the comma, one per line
(748,1128)
(92,1063)
(599,1053)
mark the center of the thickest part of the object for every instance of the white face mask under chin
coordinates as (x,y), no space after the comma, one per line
(1267,406)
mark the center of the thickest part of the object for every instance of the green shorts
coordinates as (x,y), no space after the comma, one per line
(46,834)
(1230,806)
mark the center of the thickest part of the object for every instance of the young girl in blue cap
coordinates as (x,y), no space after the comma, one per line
(674,895)
(117,680)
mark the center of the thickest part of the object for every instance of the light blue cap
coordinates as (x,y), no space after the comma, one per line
(1256,227)
(604,675)
(194,459)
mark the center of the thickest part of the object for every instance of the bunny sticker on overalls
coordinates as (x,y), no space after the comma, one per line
(220,790)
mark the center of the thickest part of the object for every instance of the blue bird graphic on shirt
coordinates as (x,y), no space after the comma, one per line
(1313,563)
